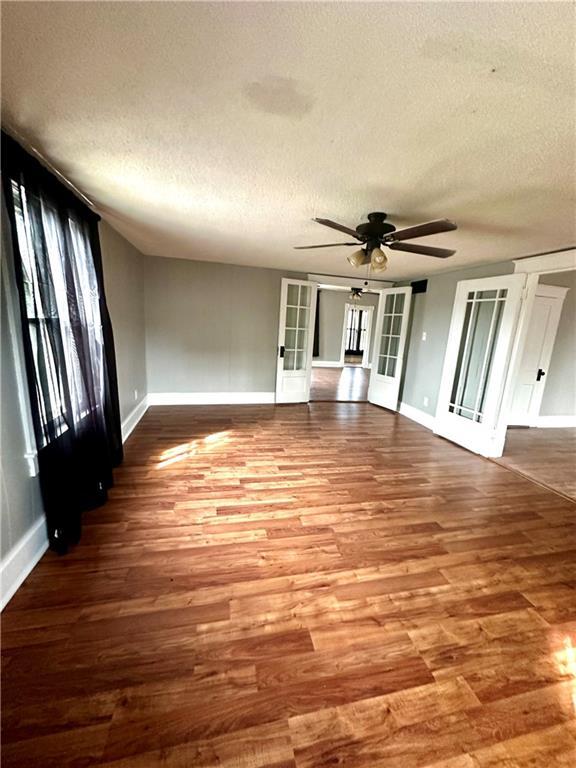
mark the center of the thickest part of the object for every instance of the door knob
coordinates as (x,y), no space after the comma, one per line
(540,374)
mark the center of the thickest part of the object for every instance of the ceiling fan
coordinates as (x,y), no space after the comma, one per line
(377,233)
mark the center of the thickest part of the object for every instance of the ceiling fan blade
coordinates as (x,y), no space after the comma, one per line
(420,230)
(324,245)
(339,227)
(425,250)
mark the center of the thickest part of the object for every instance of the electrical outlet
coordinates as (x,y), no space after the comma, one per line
(135,394)
(426,402)
(423,335)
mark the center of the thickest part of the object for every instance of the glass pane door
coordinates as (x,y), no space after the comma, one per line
(476,363)
(294,365)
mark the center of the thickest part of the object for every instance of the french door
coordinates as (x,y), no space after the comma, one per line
(295,340)
(482,332)
(389,343)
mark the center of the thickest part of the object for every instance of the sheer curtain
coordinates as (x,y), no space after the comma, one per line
(68,341)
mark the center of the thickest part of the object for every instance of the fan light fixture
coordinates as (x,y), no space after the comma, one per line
(355,294)
(358,258)
(378,260)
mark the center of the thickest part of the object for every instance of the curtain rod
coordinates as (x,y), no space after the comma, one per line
(23,141)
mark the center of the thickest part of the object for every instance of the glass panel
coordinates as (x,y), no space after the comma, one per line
(502,293)
(291,317)
(289,359)
(293,295)
(486,295)
(300,360)
(387,325)
(290,340)
(388,307)
(399,305)
(474,363)
(470,295)
(302,339)
(396,325)
(384,345)
(304,295)
(382,365)
(394,344)
(391,367)
(302,318)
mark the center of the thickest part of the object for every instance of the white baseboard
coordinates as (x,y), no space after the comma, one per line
(555,421)
(21,559)
(211,398)
(130,422)
(327,364)
(421,417)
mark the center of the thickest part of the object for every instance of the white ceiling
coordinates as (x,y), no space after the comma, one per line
(216,131)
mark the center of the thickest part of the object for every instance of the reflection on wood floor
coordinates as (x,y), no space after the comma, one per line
(302,586)
(348,384)
(546,455)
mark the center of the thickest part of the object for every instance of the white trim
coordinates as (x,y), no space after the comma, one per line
(551,291)
(210,398)
(346,283)
(21,559)
(131,421)
(415,414)
(562,261)
(327,364)
(555,421)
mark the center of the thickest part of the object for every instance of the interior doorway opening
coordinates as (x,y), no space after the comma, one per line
(343,342)
(541,433)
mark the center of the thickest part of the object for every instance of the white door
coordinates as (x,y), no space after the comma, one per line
(389,343)
(482,332)
(533,370)
(295,340)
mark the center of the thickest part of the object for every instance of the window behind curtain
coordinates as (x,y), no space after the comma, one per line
(63,395)
(68,341)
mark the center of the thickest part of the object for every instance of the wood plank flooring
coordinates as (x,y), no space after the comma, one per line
(300,587)
(545,455)
(347,384)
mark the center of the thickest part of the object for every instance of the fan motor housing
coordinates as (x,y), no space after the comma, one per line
(376,227)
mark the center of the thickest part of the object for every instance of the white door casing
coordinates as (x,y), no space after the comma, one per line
(476,363)
(389,344)
(369,310)
(532,374)
(295,340)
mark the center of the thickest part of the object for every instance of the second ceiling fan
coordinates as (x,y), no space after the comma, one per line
(376,233)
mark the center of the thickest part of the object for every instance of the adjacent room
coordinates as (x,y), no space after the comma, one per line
(288,384)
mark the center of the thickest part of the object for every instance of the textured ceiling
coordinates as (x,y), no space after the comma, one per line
(216,131)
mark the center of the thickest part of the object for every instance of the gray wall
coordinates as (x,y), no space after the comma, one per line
(332,322)
(124,267)
(560,391)
(211,327)
(431,313)
(20,501)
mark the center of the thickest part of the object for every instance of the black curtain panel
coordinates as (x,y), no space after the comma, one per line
(316,343)
(68,342)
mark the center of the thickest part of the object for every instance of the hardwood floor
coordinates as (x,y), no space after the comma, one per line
(300,587)
(545,455)
(348,384)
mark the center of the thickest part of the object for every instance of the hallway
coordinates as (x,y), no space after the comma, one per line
(348,384)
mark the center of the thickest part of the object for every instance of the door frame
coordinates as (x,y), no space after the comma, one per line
(366,357)
(532,267)
(558,293)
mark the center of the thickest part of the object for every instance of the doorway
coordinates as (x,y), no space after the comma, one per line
(343,344)
(541,435)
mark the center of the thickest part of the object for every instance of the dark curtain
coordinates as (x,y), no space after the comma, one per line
(316,343)
(68,342)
